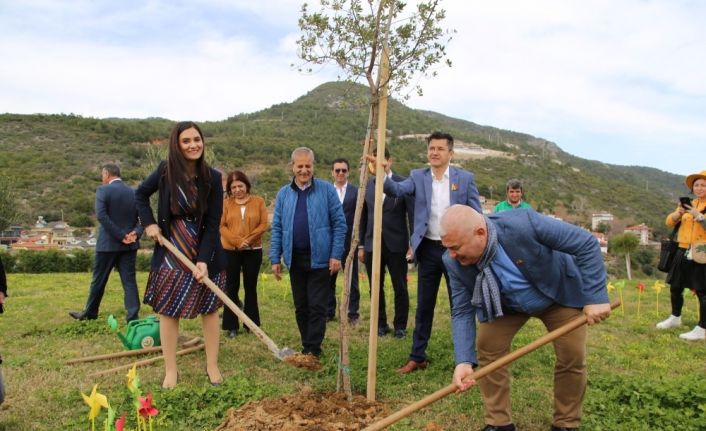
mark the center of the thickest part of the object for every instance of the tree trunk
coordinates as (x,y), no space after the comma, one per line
(627,265)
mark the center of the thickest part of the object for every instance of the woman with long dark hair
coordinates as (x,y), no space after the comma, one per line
(243,222)
(190,202)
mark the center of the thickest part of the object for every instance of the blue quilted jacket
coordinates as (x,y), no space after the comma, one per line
(327,224)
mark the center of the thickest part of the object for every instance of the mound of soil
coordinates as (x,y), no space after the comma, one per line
(309,362)
(305,411)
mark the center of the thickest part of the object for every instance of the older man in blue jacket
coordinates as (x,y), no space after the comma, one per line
(308,232)
(509,267)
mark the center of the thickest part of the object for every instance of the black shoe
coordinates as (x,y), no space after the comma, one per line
(232,333)
(556,428)
(510,427)
(383,331)
(400,333)
(81,315)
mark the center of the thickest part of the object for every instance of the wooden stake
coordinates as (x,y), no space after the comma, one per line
(477,375)
(147,361)
(126,353)
(377,224)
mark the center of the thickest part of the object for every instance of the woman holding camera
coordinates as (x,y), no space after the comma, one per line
(686,272)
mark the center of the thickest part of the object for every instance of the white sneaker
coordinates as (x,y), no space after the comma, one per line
(670,322)
(696,334)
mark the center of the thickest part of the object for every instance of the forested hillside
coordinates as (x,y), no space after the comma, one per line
(54,160)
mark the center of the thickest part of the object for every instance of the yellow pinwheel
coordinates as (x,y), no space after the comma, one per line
(133,380)
(658,286)
(610,287)
(95,401)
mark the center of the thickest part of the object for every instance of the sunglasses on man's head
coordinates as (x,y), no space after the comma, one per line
(340,170)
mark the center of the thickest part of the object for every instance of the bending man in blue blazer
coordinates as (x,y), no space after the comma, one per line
(118,241)
(434,189)
(509,267)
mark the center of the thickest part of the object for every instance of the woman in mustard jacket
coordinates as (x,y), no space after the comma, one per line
(685,272)
(243,222)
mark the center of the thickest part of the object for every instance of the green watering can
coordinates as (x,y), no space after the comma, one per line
(140,334)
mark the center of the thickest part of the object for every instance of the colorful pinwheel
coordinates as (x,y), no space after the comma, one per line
(657,287)
(120,423)
(619,285)
(640,288)
(95,401)
(147,410)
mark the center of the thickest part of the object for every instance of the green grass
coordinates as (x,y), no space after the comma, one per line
(639,378)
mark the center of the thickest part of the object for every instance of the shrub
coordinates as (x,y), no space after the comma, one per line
(642,404)
(143,261)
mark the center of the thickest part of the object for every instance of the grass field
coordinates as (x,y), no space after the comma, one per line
(639,378)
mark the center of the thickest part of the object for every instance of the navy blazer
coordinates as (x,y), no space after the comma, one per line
(210,248)
(117,214)
(397,219)
(462,187)
(561,260)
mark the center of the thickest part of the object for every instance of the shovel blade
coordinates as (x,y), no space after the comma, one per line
(284,353)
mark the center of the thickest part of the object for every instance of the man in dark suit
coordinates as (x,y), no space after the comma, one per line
(117,244)
(509,267)
(397,216)
(347,195)
(434,189)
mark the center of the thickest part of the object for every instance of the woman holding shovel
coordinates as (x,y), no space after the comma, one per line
(190,202)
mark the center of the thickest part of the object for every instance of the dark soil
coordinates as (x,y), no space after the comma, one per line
(305,411)
(309,362)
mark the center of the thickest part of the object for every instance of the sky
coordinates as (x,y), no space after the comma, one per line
(619,81)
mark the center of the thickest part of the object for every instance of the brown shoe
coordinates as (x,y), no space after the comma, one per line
(412,366)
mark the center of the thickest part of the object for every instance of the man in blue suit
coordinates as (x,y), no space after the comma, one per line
(347,195)
(397,216)
(509,267)
(434,189)
(118,241)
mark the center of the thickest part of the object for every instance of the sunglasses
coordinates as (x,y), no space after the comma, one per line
(339,171)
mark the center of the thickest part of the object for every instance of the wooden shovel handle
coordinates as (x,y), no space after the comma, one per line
(227,301)
(482,372)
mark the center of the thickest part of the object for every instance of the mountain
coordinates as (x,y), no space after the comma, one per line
(54,160)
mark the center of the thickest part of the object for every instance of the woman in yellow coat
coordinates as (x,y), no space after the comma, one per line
(686,273)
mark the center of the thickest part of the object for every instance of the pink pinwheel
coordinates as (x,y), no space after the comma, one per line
(120,423)
(146,409)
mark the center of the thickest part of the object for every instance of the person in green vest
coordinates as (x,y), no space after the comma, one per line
(513,192)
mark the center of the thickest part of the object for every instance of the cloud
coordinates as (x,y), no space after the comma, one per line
(615,81)
(629,70)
